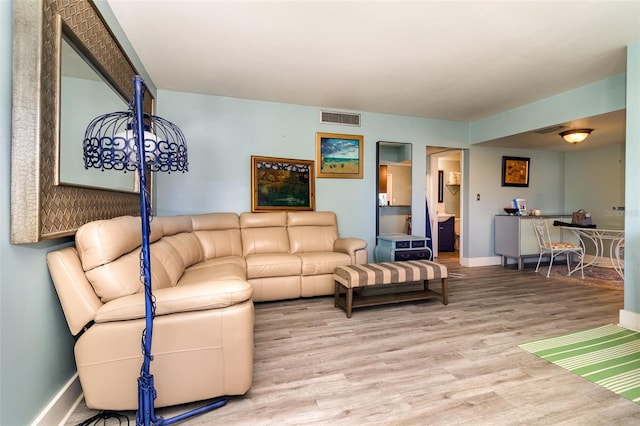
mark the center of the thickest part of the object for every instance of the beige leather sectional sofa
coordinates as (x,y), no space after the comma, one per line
(207,270)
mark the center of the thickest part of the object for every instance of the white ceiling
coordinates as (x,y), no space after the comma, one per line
(449,60)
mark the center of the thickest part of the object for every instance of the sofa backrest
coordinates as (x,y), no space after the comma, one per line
(311,231)
(109,251)
(178,249)
(219,234)
(178,232)
(264,233)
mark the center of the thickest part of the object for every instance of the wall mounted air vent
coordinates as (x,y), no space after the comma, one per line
(342,118)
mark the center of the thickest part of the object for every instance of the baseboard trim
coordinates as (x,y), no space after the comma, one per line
(630,320)
(62,405)
(480,261)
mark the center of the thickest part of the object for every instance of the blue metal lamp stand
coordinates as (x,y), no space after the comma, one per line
(133,140)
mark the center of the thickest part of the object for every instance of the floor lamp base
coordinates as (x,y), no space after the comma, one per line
(146,415)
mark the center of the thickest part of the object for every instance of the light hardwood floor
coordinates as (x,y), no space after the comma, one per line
(424,363)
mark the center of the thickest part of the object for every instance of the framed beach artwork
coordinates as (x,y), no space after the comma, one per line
(282,184)
(339,156)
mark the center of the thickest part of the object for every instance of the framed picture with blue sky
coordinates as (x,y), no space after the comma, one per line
(339,156)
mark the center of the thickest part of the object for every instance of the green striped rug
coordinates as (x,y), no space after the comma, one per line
(608,356)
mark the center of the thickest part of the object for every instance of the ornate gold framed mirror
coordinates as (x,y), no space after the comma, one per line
(41,206)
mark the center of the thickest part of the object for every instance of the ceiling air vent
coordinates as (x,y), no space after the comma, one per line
(342,118)
(552,129)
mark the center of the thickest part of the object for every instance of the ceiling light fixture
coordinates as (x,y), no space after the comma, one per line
(576,136)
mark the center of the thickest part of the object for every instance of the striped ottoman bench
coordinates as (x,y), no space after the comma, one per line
(377,274)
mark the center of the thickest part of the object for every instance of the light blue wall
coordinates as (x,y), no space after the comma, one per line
(596,171)
(593,99)
(632,176)
(36,346)
(223,133)
(545,192)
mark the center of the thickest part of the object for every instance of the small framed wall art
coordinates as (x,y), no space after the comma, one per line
(339,156)
(515,171)
(281,184)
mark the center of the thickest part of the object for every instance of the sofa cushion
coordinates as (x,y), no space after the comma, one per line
(215,221)
(103,241)
(311,219)
(187,246)
(78,298)
(276,288)
(212,272)
(234,260)
(312,231)
(322,262)
(220,243)
(172,225)
(264,233)
(166,257)
(219,234)
(122,277)
(109,251)
(273,265)
(208,294)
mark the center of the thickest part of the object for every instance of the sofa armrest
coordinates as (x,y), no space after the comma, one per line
(195,297)
(77,297)
(354,247)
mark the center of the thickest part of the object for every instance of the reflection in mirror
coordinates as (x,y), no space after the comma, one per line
(393,188)
(84,95)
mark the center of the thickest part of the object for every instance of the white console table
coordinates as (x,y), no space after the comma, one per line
(514,237)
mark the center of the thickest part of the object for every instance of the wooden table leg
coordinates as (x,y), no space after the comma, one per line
(445,291)
(349,304)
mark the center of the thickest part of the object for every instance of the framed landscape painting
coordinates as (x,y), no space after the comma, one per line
(339,156)
(281,184)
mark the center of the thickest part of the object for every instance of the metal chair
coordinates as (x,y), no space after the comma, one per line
(555,248)
(618,265)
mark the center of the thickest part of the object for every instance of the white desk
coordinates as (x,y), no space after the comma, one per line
(598,237)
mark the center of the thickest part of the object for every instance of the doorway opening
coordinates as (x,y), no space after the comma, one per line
(444,189)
